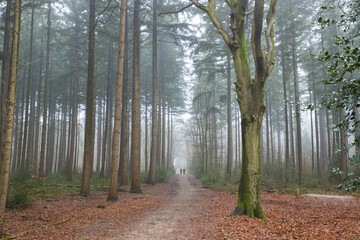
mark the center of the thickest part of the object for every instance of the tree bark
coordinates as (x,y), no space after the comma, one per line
(154,126)
(9,121)
(89,118)
(135,117)
(5,69)
(229,160)
(45,107)
(287,150)
(124,149)
(27,99)
(250,91)
(114,167)
(74,114)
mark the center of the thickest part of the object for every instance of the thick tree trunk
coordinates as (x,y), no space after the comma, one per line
(250,91)
(5,69)
(249,189)
(135,117)
(89,121)
(9,121)
(114,168)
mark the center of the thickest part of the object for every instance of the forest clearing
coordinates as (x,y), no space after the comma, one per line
(184,209)
(179,119)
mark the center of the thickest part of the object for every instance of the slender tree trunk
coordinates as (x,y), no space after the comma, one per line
(107,114)
(70,161)
(45,108)
(316,132)
(330,155)
(100,138)
(124,149)
(272,148)
(135,117)
(163,130)
(114,168)
(38,111)
(343,152)
(9,121)
(5,70)
(312,134)
(27,99)
(19,164)
(297,113)
(146,152)
(154,126)
(89,118)
(357,131)
(287,150)
(229,121)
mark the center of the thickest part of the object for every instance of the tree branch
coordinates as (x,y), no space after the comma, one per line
(250,12)
(257,30)
(269,36)
(210,10)
(228,3)
(177,11)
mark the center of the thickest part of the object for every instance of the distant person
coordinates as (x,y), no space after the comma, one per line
(181,171)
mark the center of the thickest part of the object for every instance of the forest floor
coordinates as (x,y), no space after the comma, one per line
(183,209)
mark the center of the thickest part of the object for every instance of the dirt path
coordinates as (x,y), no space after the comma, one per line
(173,219)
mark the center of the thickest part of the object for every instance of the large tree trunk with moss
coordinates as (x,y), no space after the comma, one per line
(9,117)
(250,90)
(114,167)
(249,189)
(89,121)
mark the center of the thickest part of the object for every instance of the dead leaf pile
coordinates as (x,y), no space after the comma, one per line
(289,217)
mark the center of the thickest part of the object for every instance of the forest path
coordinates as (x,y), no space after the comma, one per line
(173,219)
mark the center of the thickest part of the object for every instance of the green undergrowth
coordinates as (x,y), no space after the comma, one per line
(22,192)
(220,182)
(161,175)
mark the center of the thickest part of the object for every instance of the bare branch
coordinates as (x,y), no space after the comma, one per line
(199,5)
(228,2)
(250,12)
(210,10)
(177,11)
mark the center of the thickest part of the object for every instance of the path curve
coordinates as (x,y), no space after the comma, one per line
(171,221)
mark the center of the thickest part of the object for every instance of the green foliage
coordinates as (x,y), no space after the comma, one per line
(350,181)
(343,66)
(18,197)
